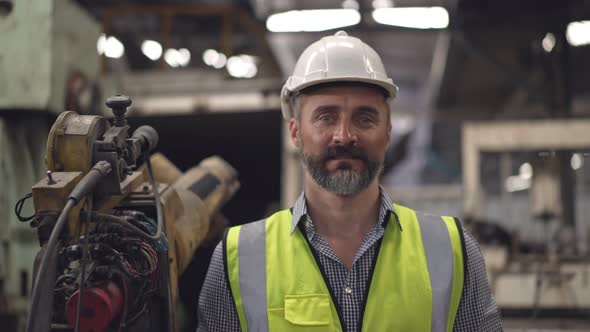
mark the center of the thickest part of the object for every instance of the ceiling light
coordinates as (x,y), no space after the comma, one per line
(413,17)
(184,57)
(577,161)
(578,33)
(177,58)
(214,59)
(209,57)
(100,44)
(220,61)
(526,171)
(151,49)
(312,20)
(171,57)
(110,46)
(548,42)
(242,66)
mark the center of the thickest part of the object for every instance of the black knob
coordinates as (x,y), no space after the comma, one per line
(6,7)
(118,104)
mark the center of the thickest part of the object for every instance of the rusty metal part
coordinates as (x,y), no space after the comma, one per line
(51,194)
(69,145)
(164,170)
(189,206)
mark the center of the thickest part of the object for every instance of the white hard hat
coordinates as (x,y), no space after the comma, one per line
(338,58)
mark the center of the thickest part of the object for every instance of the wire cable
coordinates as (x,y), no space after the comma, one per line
(19,206)
(39,320)
(158,235)
(83,265)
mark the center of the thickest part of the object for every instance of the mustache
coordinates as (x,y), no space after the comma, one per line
(344,151)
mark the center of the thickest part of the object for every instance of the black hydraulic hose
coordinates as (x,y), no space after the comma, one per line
(97,216)
(83,267)
(41,306)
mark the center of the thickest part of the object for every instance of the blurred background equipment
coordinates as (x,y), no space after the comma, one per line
(550,276)
(114,241)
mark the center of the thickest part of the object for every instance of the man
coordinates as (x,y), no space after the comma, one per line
(345,258)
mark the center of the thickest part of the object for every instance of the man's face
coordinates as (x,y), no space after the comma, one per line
(342,134)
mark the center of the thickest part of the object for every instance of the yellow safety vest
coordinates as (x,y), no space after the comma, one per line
(416,285)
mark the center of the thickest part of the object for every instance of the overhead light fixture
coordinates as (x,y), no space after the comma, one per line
(177,58)
(242,66)
(548,42)
(413,17)
(110,46)
(185,57)
(578,33)
(214,59)
(312,20)
(151,49)
(577,161)
(100,44)
(526,171)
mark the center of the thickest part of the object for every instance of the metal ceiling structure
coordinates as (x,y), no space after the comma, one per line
(495,66)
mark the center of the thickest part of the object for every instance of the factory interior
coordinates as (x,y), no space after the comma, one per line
(491,124)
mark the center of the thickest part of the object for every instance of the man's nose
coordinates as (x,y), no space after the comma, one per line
(345,134)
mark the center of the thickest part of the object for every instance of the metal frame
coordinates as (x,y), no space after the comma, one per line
(564,134)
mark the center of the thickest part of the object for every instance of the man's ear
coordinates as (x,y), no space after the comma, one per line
(294,131)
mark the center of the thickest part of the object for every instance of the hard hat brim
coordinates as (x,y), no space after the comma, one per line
(389,87)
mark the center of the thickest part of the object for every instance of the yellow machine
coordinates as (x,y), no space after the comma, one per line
(117,227)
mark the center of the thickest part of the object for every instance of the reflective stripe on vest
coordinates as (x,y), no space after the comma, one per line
(277,284)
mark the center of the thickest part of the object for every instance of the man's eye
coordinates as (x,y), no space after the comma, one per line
(326,118)
(365,120)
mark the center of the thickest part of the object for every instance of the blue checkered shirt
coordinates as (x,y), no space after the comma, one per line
(477,310)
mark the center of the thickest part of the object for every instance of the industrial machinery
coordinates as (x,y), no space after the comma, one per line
(547,275)
(117,227)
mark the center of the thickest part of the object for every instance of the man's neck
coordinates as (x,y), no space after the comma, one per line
(342,217)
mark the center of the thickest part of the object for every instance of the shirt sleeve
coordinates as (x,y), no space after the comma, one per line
(477,310)
(216,310)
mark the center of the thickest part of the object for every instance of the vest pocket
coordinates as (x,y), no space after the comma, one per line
(307,312)
(308,309)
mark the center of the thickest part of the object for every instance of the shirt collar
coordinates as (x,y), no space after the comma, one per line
(386,208)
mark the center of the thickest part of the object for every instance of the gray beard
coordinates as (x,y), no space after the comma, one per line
(344,181)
